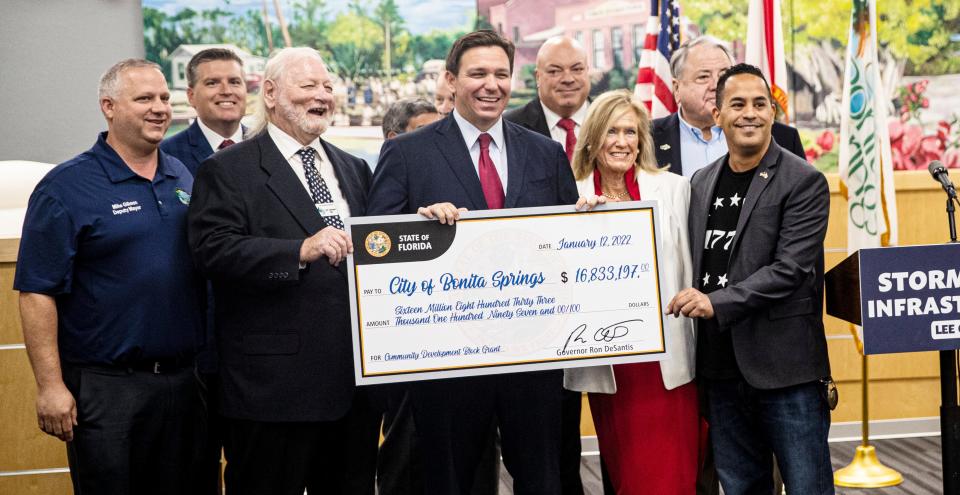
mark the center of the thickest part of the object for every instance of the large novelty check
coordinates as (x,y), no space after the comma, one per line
(505,291)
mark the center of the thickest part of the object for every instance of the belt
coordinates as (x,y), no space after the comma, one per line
(159,366)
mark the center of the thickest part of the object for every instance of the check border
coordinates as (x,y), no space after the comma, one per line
(364,377)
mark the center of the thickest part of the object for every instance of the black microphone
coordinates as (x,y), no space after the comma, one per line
(939,172)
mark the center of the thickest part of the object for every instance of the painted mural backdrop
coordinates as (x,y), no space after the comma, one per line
(382,50)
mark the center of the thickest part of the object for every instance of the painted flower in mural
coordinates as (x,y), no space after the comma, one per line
(913,149)
(951,158)
(826,140)
(914,146)
(822,145)
(911,100)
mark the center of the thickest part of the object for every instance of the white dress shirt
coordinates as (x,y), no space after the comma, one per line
(215,139)
(289,147)
(498,147)
(559,134)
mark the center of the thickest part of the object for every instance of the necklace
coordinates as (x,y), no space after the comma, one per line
(619,196)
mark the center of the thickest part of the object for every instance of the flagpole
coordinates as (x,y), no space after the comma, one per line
(793,61)
(866,470)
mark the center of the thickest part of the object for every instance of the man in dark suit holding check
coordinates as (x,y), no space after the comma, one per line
(473,159)
(558,112)
(266,227)
(758,218)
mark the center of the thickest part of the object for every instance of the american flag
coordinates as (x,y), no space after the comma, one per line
(654,82)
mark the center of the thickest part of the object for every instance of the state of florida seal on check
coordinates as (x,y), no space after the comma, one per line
(505,291)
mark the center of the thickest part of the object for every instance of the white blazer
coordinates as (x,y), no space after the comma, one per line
(672,191)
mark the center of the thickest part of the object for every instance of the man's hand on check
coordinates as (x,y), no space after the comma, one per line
(691,303)
(331,242)
(445,212)
(587,203)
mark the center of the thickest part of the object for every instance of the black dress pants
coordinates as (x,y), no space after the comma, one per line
(212,449)
(399,460)
(571,403)
(453,419)
(137,433)
(324,457)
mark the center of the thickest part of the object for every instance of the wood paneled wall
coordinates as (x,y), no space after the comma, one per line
(23,447)
(901,386)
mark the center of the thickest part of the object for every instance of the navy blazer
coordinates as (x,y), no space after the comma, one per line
(190,146)
(283,334)
(433,165)
(666,141)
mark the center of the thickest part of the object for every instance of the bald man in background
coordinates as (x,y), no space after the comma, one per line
(558,111)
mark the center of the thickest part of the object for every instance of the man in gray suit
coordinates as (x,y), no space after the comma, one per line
(758,218)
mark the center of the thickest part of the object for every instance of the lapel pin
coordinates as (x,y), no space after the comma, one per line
(664,147)
(764,174)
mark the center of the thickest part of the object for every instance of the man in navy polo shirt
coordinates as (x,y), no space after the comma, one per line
(110,301)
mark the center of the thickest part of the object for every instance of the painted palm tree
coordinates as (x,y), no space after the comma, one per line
(387,16)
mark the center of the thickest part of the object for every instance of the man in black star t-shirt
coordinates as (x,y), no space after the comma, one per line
(758,217)
(714,349)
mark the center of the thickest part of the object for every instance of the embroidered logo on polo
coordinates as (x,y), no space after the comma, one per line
(182,195)
(125,207)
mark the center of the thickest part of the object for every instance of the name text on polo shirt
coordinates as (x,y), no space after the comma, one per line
(126,207)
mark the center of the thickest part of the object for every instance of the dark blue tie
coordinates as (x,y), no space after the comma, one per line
(318,187)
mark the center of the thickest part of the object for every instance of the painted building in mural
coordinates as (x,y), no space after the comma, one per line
(611,31)
(252,64)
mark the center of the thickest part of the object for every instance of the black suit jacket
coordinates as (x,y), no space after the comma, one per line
(530,116)
(772,304)
(283,333)
(666,141)
(432,165)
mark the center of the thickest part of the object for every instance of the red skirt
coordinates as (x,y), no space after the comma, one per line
(649,437)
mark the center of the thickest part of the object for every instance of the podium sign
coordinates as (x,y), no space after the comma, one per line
(909,297)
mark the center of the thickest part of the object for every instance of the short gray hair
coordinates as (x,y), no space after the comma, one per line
(110,80)
(679,58)
(273,71)
(400,113)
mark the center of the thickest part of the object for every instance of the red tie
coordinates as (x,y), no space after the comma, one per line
(225,143)
(489,178)
(568,125)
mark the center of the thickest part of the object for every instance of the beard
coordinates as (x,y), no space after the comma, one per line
(298,116)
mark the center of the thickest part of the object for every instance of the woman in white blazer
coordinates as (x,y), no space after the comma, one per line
(646,414)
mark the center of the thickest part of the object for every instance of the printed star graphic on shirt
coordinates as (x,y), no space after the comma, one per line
(706,279)
(718,203)
(735,200)
(722,282)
